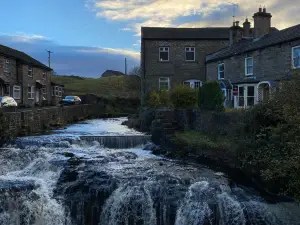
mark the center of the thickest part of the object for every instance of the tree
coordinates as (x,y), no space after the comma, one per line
(136,71)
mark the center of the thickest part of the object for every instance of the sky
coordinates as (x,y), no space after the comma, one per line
(88,37)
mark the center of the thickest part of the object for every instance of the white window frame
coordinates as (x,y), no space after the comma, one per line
(164,49)
(293,58)
(246,66)
(192,83)
(168,81)
(56,91)
(17,89)
(219,71)
(31,92)
(6,66)
(245,86)
(59,91)
(30,69)
(188,49)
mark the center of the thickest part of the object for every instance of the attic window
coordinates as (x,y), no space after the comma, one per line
(163,54)
(190,54)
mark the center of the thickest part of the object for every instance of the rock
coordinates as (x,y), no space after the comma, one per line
(68,154)
(150,147)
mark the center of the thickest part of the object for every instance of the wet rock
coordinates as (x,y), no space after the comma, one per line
(68,154)
(151,147)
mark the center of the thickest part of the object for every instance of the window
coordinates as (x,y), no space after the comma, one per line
(190,54)
(164,54)
(31,92)
(44,75)
(221,71)
(249,66)
(250,95)
(53,91)
(6,66)
(17,92)
(59,92)
(296,57)
(56,91)
(246,95)
(164,83)
(197,84)
(241,97)
(30,71)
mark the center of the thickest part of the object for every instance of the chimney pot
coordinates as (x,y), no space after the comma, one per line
(260,9)
(237,23)
(264,10)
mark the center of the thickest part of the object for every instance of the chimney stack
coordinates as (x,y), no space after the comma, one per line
(262,22)
(246,27)
(236,33)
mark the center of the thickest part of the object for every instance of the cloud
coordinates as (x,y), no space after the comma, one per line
(166,13)
(72,60)
(113,51)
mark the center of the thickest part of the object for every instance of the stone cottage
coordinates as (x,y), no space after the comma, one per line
(24,78)
(257,59)
(174,56)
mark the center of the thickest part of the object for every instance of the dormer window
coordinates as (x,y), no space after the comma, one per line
(163,54)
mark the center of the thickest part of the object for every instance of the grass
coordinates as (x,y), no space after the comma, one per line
(203,141)
(109,87)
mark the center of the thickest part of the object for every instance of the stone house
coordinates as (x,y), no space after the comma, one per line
(24,78)
(257,59)
(175,56)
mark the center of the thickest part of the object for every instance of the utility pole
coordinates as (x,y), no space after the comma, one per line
(49,57)
(125,66)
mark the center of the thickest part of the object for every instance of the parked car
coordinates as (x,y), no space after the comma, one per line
(71,100)
(6,101)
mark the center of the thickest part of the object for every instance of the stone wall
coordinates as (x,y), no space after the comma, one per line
(36,120)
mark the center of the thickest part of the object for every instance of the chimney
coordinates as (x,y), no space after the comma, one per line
(236,33)
(246,27)
(262,23)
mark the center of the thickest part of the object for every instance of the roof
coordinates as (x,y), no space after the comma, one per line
(227,84)
(56,84)
(248,45)
(23,57)
(109,73)
(218,33)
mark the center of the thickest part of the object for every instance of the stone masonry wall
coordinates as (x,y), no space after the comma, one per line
(177,68)
(36,120)
(268,64)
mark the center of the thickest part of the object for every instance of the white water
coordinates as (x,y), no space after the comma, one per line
(150,189)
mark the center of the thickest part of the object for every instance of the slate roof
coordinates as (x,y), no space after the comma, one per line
(23,57)
(164,33)
(248,45)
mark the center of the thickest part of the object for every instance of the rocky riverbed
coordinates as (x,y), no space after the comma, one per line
(59,179)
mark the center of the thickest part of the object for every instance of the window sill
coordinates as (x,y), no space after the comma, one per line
(163,61)
(30,98)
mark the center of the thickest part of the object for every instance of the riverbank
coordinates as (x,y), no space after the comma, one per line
(233,142)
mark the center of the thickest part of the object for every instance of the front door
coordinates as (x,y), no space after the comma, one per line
(37,95)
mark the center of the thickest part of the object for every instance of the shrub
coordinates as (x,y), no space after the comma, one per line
(183,97)
(153,100)
(211,97)
(164,97)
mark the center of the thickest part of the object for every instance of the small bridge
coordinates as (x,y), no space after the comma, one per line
(119,142)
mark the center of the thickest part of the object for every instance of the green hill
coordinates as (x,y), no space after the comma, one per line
(108,87)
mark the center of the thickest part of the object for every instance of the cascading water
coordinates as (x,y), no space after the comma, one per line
(60,179)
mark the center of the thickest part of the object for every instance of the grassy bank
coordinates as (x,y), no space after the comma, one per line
(107,87)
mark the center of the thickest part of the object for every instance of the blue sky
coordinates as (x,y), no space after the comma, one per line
(90,36)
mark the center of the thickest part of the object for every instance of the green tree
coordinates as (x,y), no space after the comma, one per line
(183,97)
(211,96)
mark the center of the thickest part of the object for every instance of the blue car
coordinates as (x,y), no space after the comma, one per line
(71,100)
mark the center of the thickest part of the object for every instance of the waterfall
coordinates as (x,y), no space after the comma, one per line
(119,142)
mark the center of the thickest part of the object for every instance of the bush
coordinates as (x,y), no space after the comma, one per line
(153,100)
(211,97)
(164,97)
(183,97)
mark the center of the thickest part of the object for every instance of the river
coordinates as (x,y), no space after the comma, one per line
(58,179)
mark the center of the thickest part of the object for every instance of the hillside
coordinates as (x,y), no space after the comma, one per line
(109,87)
